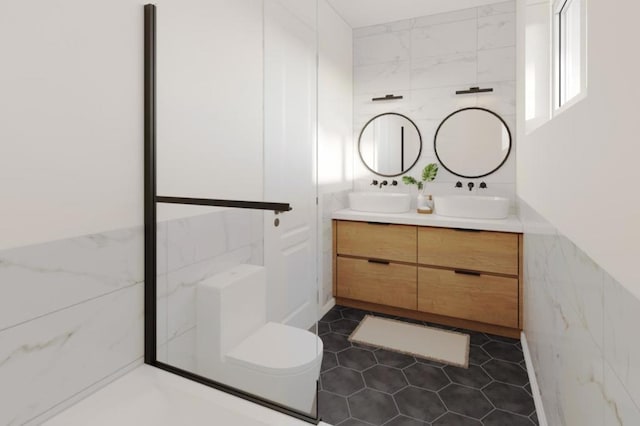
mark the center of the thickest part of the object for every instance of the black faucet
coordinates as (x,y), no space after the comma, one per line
(470,185)
(458,184)
(383,183)
(483,185)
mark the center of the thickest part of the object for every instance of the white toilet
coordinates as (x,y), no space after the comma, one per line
(237,346)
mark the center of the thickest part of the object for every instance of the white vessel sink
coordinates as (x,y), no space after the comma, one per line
(473,207)
(380,202)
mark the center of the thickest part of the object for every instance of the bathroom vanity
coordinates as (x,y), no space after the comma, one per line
(457,272)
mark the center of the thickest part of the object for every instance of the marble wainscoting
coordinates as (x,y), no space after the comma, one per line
(581,328)
(190,250)
(71,319)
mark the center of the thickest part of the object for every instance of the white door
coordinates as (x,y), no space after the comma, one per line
(290,163)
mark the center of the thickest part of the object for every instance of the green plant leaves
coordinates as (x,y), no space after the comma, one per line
(430,172)
(409,180)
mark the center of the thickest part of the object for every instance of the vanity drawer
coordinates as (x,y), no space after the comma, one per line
(483,251)
(382,283)
(485,298)
(377,241)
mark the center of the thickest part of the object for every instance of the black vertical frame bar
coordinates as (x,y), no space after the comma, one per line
(402,148)
(150,184)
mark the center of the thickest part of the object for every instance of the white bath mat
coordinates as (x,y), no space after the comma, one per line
(447,347)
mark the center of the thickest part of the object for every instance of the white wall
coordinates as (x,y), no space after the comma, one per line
(580,169)
(426,60)
(335,124)
(70,118)
(210,99)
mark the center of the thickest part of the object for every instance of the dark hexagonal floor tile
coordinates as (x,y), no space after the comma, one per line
(477,338)
(344,326)
(510,398)
(430,362)
(323,328)
(333,407)
(334,342)
(405,421)
(466,401)
(473,376)
(453,419)
(426,376)
(527,388)
(506,372)
(342,381)
(534,419)
(354,314)
(329,361)
(419,404)
(509,340)
(503,351)
(332,315)
(372,406)
(354,422)
(477,355)
(394,359)
(502,418)
(358,359)
(385,379)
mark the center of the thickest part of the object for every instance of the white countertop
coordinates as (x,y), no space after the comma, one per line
(510,224)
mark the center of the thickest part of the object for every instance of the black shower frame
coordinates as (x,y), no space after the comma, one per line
(151,199)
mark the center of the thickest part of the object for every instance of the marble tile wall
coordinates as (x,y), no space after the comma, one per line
(426,60)
(581,328)
(71,317)
(190,250)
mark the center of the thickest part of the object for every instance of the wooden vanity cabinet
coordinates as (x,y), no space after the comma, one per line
(462,278)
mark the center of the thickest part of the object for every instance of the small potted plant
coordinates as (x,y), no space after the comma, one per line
(429,173)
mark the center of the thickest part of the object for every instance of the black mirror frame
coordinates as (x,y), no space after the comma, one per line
(506,157)
(360,141)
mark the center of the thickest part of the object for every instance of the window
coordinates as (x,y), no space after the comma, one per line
(570,49)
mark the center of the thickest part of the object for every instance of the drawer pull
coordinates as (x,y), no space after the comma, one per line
(378,223)
(381,262)
(467,230)
(463,272)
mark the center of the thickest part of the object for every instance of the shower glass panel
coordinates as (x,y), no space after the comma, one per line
(237,296)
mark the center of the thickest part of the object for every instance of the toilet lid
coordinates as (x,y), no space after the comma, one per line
(278,349)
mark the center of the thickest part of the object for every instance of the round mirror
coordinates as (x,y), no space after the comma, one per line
(472,142)
(389,144)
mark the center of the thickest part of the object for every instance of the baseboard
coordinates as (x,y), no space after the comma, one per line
(533,381)
(327,307)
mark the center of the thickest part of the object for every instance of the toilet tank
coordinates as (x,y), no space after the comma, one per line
(229,307)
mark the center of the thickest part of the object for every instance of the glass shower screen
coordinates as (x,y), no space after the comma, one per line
(236,216)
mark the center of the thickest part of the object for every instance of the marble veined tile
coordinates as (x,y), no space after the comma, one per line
(382,79)
(620,410)
(182,284)
(497,64)
(454,70)
(380,48)
(621,345)
(403,25)
(444,39)
(585,292)
(43,278)
(50,359)
(497,8)
(438,102)
(502,100)
(182,351)
(497,31)
(196,238)
(443,18)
